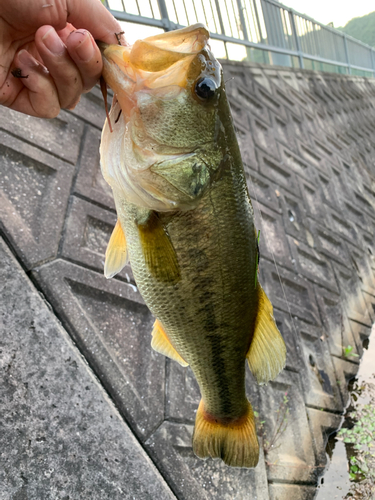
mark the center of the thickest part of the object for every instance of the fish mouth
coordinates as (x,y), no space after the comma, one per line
(164,63)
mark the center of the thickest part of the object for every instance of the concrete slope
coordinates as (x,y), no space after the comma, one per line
(61,437)
(308,144)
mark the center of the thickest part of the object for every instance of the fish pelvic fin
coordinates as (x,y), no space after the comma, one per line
(159,253)
(161,343)
(116,255)
(234,441)
(267,352)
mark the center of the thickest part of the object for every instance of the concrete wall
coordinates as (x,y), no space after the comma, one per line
(308,144)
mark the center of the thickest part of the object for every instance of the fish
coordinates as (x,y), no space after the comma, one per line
(186,223)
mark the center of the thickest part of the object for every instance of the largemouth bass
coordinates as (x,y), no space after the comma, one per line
(185,220)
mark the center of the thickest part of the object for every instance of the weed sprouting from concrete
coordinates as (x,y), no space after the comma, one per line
(360,439)
(348,351)
(282,415)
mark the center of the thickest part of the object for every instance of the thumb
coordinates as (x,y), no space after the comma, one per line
(94,17)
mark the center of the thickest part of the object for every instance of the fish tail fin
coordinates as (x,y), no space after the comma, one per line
(234,441)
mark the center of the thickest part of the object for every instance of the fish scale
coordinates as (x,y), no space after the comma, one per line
(201,329)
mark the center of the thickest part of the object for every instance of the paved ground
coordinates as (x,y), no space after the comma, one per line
(88,410)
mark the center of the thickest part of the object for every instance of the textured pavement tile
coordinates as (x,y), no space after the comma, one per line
(111,325)
(91,108)
(343,226)
(364,198)
(344,187)
(289,292)
(361,333)
(33,198)
(311,264)
(291,492)
(345,371)
(357,215)
(246,145)
(237,72)
(330,244)
(62,136)
(326,150)
(368,240)
(295,128)
(337,329)
(370,301)
(287,327)
(283,132)
(284,96)
(87,232)
(291,455)
(239,111)
(271,101)
(312,199)
(263,137)
(277,173)
(193,478)
(329,190)
(272,241)
(318,376)
(182,393)
(361,260)
(296,163)
(311,156)
(240,95)
(323,424)
(261,190)
(90,182)
(261,75)
(61,437)
(294,217)
(350,288)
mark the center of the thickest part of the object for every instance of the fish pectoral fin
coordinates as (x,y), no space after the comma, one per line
(116,255)
(159,254)
(161,343)
(267,352)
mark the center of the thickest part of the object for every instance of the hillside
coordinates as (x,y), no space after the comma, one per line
(362,28)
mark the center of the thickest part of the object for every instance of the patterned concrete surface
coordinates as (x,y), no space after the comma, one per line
(308,145)
(61,436)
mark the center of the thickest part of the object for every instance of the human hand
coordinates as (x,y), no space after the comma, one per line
(48,56)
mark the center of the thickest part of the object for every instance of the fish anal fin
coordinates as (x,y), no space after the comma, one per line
(116,255)
(235,442)
(160,343)
(160,256)
(267,352)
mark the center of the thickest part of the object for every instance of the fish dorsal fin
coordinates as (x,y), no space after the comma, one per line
(116,255)
(161,343)
(159,253)
(267,353)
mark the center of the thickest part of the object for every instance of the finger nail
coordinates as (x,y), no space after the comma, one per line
(27,59)
(85,47)
(53,42)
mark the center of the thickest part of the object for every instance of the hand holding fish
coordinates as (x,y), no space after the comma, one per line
(48,56)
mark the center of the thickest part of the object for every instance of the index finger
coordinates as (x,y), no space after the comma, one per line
(94,17)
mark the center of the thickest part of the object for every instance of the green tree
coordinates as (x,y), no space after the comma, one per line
(362,28)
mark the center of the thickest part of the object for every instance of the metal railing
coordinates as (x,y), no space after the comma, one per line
(271,32)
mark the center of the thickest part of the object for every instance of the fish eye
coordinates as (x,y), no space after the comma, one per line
(205,88)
